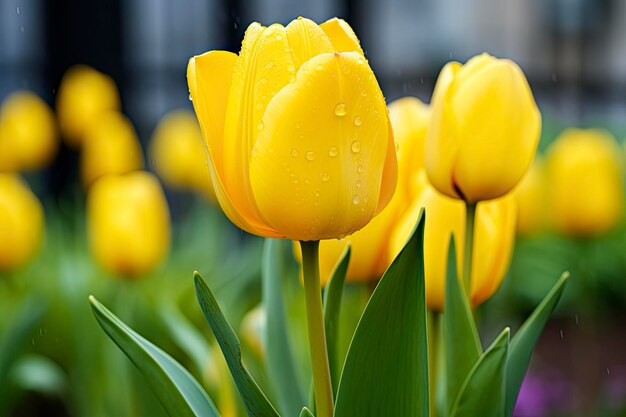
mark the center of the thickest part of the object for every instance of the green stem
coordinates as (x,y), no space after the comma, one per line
(317,336)
(433,348)
(468,253)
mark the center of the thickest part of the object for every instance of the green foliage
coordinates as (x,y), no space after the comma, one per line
(176,389)
(386,372)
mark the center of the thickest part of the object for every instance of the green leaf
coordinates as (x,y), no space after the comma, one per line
(19,332)
(482,393)
(306,413)
(332,310)
(40,374)
(178,391)
(524,342)
(386,370)
(254,400)
(462,345)
(279,356)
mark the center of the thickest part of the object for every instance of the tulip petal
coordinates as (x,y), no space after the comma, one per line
(324,146)
(209,76)
(306,40)
(263,67)
(341,35)
(390,171)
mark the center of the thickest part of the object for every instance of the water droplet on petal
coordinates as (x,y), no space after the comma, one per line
(358,121)
(340,109)
(356,199)
(319,67)
(358,184)
(325,176)
(359,61)
(294,153)
(397,145)
(360,169)
(317,194)
(356,146)
(363,93)
(190,99)
(278,36)
(332,151)
(310,155)
(260,126)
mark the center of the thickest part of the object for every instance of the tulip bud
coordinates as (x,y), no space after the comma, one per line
(178,153)
(111,147)
(530,196)
(585,173)
(29,130)
(494,235)
(83,95)
(297,131)
(129,224)
(484,129)
(21,222)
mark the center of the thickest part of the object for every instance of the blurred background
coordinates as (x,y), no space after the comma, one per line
(57,363)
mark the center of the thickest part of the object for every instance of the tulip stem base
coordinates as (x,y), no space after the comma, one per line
(317,335)
(470,209)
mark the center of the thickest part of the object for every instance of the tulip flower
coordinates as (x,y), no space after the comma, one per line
(493,240)
(83,95)
(484,129)
(299,145)
(21,222)
(178,153)
(111,147)
(585,173)
(129,223)
(530,195)
(370,255)
(296,130)
(28,130)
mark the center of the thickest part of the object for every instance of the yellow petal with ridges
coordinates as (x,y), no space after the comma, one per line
(209,77)
(262,69)
(390,171)
(306,40)
(323,149)
(342,36)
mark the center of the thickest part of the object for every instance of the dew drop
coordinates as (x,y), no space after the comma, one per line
(358,121)
(278,36)
(359,61)
(310,155)
(307,180)
(190,99)
(332,151)
(356,146)
(317,194)
(319,68)
(340,109)
(260,126)
(294,153)
(360,169)
(363,93)
(359,184)
(356,199)
(397,145)
(325,177)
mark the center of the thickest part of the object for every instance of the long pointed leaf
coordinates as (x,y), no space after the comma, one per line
(524,342)
(280,363)
(386,370)
(306,413)
(332,310)
(462,345)
(178,391)
(482,393)
(254,400)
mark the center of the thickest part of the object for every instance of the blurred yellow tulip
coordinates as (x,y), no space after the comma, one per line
(111,147)
(297,131)
(370,246)
(28,130)
(178,153)
(21,222)
(484,129)
(531,196)
(585,172)
(494,236)
(129,223)
(83,95)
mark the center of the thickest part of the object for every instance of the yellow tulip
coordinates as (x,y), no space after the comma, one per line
(21,222)
(129,223)
(111,147)
(29,129)
(83,95)
(484,129)
(585,171)
(494,235)
(530,195)
(297,131)
(370,245)
(178,153)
